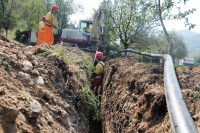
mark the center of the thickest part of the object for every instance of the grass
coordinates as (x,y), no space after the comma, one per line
(47,51)
(6,64)
(88,62)
(92,103)
(76,61)
(195,94)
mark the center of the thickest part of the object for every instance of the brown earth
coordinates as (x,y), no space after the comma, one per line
(40,93)
(189,79)
(134,98)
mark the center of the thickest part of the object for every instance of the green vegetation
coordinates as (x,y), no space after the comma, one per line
(61,51)
(195,94)
(133,24)
(92,103)
(7,65)
(27,100)
(197,60)
(179,49)
(76,62)
(46,51)
(24,15)
(88,61)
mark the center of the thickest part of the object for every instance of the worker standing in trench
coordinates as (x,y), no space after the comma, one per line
(97,76)
(49,25)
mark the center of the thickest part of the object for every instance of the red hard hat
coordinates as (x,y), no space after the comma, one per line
(55,7)
(99,55)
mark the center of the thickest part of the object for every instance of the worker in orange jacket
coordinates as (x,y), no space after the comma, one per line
(49,25)
(98,74)
(41,31)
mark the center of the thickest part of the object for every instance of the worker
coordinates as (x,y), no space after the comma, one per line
(98,74)
(41,31)
(49,24)
(89,29)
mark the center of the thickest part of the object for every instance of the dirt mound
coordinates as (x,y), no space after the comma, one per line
(39,92)
(189,79)
(134,99)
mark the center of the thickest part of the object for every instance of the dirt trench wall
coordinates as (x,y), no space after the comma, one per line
(189,80)
(39,94)
(133,98)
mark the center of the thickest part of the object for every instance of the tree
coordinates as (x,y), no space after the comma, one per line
(133,21)
(167,6)
(169,51)
(179,49)
(32,12)
(26,14)
(8,16)
(67,8)
(160,46)
(197,60)
(130,20)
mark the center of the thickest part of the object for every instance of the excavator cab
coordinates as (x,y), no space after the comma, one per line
(85,26)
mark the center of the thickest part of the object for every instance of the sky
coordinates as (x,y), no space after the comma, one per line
(192,18)
(90,5)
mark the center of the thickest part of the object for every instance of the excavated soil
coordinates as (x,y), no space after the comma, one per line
(189,80)
(134,97)
(40,93)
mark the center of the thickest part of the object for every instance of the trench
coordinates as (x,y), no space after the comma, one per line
(95,126)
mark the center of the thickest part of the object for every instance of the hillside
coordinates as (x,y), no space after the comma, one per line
(192,41)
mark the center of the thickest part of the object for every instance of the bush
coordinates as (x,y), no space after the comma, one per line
(92,103)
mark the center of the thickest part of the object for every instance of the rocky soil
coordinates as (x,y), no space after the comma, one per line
(134,98)
(189,79)
(41,92)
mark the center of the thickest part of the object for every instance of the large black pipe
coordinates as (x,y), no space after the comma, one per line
(181,120)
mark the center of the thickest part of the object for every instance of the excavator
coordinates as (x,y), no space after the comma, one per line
(82,37)
(89,36)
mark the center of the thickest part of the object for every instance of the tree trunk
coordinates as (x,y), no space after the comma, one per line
(125,47)
(165,31)
(6,33)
